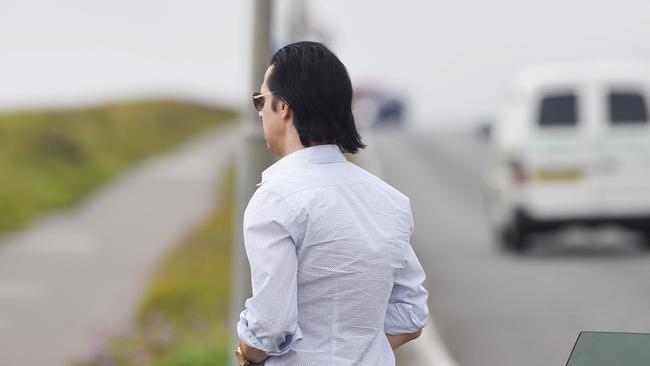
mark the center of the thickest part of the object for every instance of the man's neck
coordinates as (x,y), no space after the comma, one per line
(291,147)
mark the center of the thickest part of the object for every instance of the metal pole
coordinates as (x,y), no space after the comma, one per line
(252,158)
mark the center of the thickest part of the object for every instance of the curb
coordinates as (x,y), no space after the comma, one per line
(428,349)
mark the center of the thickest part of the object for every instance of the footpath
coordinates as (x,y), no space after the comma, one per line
(75,277)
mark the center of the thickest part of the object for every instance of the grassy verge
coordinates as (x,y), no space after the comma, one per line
(183,317)
(49,160)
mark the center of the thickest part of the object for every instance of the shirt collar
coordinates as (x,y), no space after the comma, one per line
(319,154)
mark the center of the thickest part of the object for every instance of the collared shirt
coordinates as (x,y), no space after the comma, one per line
(332,268)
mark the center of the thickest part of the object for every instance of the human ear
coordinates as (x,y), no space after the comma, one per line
(286,111)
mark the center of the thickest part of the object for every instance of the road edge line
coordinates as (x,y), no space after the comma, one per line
(429,348)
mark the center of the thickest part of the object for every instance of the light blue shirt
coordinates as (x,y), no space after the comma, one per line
(332,268)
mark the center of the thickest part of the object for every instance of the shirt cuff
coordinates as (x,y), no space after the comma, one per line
(272,346)
(404,318)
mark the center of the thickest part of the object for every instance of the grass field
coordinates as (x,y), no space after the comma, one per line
(51,159)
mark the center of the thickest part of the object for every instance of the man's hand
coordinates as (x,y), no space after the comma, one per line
(253,354)
(397,340)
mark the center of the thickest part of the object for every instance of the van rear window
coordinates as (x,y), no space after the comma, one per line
(627,108)
(558,110)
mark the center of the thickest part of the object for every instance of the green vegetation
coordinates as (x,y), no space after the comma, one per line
(51,159)
(183,317)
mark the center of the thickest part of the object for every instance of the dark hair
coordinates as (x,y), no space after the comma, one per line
(317,87)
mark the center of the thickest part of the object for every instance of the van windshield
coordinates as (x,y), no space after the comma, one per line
(558,110)
(627,108)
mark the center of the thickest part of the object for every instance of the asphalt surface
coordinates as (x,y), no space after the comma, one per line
(496,308)
(76,277)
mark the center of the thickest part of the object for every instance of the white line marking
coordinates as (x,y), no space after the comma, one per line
(431,349)
(428,349)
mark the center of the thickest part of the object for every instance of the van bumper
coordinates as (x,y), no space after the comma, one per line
(541,222)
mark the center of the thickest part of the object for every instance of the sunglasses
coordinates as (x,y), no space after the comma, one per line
(258,100)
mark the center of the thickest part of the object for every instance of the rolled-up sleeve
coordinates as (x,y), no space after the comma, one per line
(407,310)
(269,321)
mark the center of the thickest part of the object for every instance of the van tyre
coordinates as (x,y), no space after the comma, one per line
(514,238)
(645,230)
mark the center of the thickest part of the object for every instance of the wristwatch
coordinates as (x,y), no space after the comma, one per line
(241,357)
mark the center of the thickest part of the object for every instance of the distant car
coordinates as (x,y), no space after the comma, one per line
(572,146)
(374,108)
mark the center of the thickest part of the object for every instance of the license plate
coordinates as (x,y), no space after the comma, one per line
(567,175)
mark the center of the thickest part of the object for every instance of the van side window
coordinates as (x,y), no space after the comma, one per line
(627,108)
(558,110)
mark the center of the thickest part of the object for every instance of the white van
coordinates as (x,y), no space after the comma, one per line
(572,146)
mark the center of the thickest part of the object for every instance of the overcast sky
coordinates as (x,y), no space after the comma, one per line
(453,60)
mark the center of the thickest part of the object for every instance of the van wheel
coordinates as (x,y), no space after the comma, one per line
(514,240)
(645,230)
(515,237)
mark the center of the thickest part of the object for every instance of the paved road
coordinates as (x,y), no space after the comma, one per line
(493,308)
(75,277)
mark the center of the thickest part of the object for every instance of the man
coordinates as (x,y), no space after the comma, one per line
(335,280)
